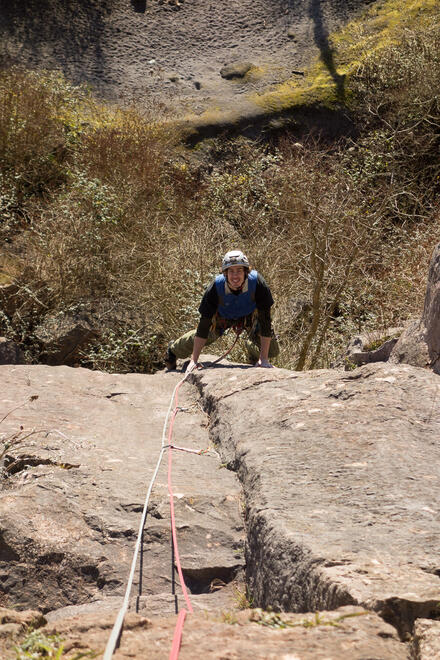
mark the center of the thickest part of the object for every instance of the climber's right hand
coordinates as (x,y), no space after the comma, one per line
(192,366)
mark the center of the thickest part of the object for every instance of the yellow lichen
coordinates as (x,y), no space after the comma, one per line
(326,79)
(256,73)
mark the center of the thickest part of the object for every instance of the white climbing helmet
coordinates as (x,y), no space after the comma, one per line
(234,258)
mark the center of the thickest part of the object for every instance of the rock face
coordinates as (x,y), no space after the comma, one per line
(345,633)
(348,632)
(427,639)
(123,48)
(341,479)
(420,342)
(77,473)
(340,485)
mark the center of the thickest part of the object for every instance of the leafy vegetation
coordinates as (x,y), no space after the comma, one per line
(104,209)
(36,645)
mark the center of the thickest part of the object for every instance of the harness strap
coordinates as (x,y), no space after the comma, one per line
(248,323)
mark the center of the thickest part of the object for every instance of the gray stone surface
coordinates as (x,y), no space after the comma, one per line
(71,506)
(427,639)
(341,477)
(420,342)
(235,70)
(347,633)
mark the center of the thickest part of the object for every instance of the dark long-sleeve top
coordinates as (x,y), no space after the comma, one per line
(209,305)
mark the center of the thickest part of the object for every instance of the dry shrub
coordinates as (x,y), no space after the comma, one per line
(37,125)
(129,226)
(334,264)
(126,229)
(399,109)
(330,228)
(309,231)
(337,260)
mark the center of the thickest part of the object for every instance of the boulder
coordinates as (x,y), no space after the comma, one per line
(370,347)
(64,336)
(9,298)
(412,347)
(419,344)
(10,352)
(235,70)
(14,625)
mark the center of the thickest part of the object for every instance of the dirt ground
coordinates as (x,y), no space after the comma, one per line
(170,51)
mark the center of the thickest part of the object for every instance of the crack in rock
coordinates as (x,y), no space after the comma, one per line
(16,464)
(205,579)
(251,387)
(298,523)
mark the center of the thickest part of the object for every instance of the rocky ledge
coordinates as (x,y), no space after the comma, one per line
(338,484)
(78,452)
(341,478)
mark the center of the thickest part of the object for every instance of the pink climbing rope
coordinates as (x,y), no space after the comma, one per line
(173,520)
(177,638)
(174,654)
(178,630)
(117,627)
(238,330)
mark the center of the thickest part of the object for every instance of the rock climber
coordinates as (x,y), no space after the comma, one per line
(238,298)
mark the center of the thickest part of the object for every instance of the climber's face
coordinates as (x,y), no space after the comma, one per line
(235,276)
